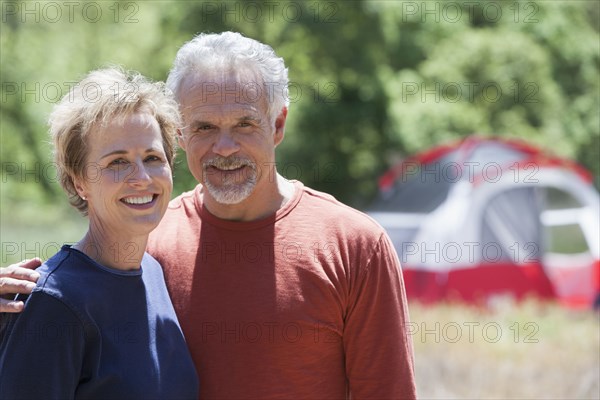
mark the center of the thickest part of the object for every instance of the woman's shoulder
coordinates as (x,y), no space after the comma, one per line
(60,277)
(52,298)
(151,267)
(150,262)
(55,265)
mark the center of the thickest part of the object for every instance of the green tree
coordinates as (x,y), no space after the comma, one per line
(528,70)
(372,80)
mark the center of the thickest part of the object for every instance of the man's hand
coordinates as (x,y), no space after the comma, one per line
(17,278)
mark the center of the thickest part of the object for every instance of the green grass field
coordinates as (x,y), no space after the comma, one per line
(26,231)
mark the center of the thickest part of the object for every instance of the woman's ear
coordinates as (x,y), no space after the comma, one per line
(80,188)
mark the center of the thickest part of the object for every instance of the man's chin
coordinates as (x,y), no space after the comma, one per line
(229,196)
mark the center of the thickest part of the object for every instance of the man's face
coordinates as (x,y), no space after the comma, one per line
(228,136)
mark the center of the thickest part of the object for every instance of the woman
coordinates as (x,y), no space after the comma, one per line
(99,323)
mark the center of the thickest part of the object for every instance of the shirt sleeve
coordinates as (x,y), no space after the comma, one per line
(41,351)
(378,348)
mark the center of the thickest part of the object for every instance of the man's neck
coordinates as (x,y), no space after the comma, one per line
(261,203)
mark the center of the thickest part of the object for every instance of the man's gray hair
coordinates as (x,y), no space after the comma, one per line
(227,51)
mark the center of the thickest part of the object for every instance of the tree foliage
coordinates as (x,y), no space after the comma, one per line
(372,81)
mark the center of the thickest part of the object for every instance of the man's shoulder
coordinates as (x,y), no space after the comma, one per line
(181,216)
(328,209)
(185,199)
(180,207)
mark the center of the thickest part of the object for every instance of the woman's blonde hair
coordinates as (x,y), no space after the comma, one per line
(100,97)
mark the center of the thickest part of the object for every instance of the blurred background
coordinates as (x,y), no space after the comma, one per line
(372,84)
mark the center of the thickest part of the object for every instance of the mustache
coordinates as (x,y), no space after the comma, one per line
(228,163)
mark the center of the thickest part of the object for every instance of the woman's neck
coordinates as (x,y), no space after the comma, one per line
(114,250)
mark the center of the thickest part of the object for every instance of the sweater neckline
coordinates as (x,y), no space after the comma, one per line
(208,217)
(88,259)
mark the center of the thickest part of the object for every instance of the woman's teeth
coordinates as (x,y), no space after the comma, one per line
(138,200)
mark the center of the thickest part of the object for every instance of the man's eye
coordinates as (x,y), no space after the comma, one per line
(205,127)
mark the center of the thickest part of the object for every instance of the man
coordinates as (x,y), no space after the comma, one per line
(281,291)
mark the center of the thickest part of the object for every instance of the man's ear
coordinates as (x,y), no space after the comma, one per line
(180,139)
(280,126)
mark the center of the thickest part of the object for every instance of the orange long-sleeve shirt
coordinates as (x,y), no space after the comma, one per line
(306,304)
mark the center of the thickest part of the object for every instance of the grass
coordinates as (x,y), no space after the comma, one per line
(26,231)
(531,351)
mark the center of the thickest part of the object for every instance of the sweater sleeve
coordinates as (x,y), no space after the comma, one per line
(41,351)
(379,355)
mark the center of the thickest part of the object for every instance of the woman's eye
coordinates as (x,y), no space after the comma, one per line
(118,161)
(153,158)
(120,164)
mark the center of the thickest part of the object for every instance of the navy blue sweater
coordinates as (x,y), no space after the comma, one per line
(88,331)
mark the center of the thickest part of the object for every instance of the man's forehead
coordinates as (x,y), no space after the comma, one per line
(213,82)
(233,110)
(198,91)
(231,94)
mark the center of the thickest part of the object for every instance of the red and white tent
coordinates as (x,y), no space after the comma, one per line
(488,218)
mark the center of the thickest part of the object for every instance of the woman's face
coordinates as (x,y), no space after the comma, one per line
(127,180)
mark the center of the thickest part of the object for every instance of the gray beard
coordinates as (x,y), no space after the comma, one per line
(230,192)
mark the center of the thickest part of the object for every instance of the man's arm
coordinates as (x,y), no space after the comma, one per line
(17,278)
(379,353)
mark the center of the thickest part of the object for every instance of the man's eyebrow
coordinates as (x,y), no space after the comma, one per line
(199,122)
(249,118)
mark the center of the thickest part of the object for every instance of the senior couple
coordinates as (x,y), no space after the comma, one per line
(251,286)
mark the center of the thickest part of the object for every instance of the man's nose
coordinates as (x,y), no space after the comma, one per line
(225,144)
